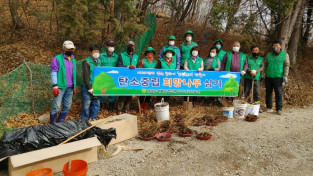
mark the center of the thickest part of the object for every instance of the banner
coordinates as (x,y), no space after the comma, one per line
(159,82)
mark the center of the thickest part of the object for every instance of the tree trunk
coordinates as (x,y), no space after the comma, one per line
(294,40)
(289,24)
(16,20)
(308,25)
(185,12)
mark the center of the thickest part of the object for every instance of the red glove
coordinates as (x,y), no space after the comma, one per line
(56,91)
(132,67)
(74,91)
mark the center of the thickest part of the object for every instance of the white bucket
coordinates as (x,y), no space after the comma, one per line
(228,112)
(253,109)
(162,111)
(240,110)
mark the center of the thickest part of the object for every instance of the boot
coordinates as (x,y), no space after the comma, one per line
(111,106)
(62,117)
(145,106)
(53,117)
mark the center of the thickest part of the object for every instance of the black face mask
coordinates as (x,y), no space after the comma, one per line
(130,49)
(69,53)
(255,54)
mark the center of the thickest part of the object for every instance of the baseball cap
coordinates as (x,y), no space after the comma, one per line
(68,44)
(131,43)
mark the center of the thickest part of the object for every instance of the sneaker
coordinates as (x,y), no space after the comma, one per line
(269,110)
(279,112)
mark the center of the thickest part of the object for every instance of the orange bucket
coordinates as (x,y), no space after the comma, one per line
(41,172)
(78,168)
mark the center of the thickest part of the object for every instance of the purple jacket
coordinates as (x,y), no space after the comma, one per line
(54,67)
(235,63)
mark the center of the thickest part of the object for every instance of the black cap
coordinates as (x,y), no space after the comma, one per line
(110,43)
(94,47)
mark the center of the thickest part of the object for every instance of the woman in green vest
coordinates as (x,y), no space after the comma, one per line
(255,66)
(88,100)
(167,62)
(186,47)
(219,45)
(147,62)
(194,62)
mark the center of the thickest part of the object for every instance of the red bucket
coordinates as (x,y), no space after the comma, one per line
(41,172)
(78,168)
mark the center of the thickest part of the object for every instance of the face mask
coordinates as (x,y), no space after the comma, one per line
(236,49)
(96,55)
(276,49)
(189,38)
(194,53)
(130,49)
(169,55)
(69,53)
(171,43)
(218,46)
(255,54)
(111,49)
(213,54)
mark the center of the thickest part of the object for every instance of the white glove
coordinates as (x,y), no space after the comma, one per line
(90,91)
(285,79)
(242,72)
(253,71)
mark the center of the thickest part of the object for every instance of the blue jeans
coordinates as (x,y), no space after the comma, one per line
(64,97)
(89,101)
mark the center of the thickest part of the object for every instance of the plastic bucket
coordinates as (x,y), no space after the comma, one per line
(228,112)
(162,111)
(253,109)
(41,172)
(240,110)
(78,168)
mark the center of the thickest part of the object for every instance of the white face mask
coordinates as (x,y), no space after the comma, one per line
(169,55)
(171,43)
(188,38)
(236,49)
(194,53)
(96,55)
(111,49)
(213,54)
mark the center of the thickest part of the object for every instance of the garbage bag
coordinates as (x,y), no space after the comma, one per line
(38,137)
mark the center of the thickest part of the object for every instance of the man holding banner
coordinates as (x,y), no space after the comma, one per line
(127,59)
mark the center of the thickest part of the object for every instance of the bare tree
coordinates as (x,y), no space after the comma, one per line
(16,20)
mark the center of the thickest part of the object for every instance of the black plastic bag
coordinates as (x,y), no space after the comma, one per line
(38,137)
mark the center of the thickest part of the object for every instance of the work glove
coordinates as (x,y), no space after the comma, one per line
(56,91)
(253,72)
(285,79)
(199,71)
(74,92)
(243,72)
(131,67)
(90,91)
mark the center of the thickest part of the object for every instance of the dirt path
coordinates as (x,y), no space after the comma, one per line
(274,145)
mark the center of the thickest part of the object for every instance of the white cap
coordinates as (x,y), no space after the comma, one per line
(68,44)
(131,43)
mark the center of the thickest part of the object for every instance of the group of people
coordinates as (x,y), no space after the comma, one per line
(274,68)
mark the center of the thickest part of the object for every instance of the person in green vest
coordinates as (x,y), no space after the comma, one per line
(147,62)
(63,77)
(219,45)
(186,47)
(235,60)
(167,62)
(171,44)
(276,70)
(88,100)
(194,62)
(109,59)
(255,67)
(127,59)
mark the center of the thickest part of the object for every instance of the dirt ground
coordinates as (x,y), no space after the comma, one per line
(273,145)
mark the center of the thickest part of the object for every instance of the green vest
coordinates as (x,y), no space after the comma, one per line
(147,64)
(254,65)
(228,62)
(62,73)
(185,51)
(106,61)
(92,65)
(196,65)
(126,59)
(164,64)
(176,50)
(275,66)
(220,56)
